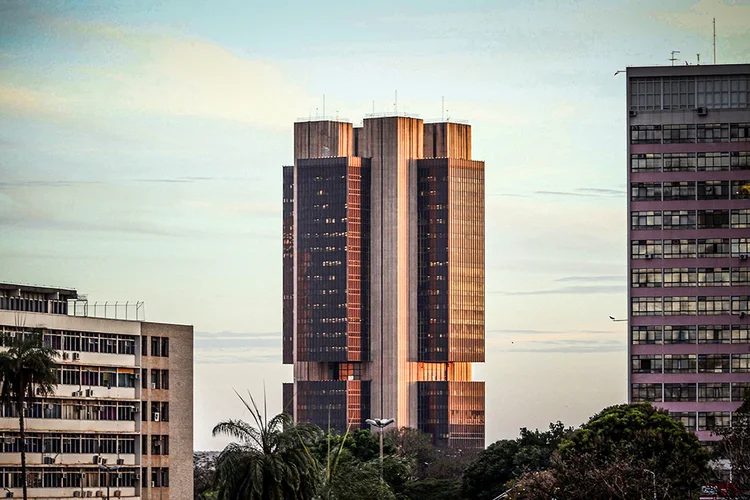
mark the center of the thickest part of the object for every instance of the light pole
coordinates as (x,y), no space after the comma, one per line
(108,469)
(653,474)
(380,423)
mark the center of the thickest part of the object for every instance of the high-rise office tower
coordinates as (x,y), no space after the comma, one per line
(384,276)
(120,421)
(689,240)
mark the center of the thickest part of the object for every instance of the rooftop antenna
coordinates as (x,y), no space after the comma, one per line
(714,40)
(673,58)
(699,59)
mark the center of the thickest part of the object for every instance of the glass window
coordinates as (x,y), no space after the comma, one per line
(677,134)
(679,191)
(713,132)
(679,249)
(713,162)
(650,219)
(713,363)
(713,219)
(740,218)
(713,190)
(713,276)
(646,334)
(679,162)
(739,390)
(679,306)
(679,334)
(642,393)
(645,162)
(688,419)
(714,334)
(679,276)
(645,134)
(680,392)
(646,363)
(645,191)
(739,132)
(740,363)
(713,392)
(741,276)
(646,249)
(679,219)
(740,334)
(646,306)
(713,247)
(680,363)
(708,421)
(710,306)
(650,278)
(740,160)
(740,190)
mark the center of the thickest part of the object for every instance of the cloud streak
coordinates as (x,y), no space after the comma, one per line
(568,290)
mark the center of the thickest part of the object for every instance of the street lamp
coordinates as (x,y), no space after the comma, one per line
(380,423)
(653,474)
(108,469)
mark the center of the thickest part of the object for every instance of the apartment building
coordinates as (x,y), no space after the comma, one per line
(383,276)
(689,240)
(121,419)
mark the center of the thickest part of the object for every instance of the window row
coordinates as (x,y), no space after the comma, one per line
(159,411)
(107,343)
(689,133)
(690,276)
(690,363)
(51,408)
(687,219)
(690,392)
(11,477)
(703,421)
(677,306)
(159,379)
(159,346)
(92,376)
(690,248)
(690,162)
(158,444)
(690,190)
(690,334)
(689,92)
(70,443)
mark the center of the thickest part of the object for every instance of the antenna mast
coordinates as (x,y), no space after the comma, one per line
(714,40)
(673,58)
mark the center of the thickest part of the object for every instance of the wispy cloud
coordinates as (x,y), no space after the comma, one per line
(236,347)
(585,193)
(549,332)
(566,346)
(568,290)
(590,279)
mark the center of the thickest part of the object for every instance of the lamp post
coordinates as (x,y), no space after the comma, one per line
(653,475)
(108,469)
(380,423)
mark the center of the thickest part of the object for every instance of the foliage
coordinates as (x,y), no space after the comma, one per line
(354,479)
(434,489)
(414,446)
(487,475)
(270,461)
(735,447)
(627,450)
(27,371)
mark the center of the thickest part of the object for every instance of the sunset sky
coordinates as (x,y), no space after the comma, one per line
(141,146)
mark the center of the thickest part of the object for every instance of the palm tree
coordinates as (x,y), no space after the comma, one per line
(27,369)
(270,461)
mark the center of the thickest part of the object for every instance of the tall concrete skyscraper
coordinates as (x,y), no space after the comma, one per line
(384,276)
(689,240)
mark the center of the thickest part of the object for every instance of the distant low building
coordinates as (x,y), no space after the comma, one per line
(123,409)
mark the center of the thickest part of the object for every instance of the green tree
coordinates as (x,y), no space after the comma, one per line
(270,461)
(628,452)
(735,447)
(505,460)
(27,370)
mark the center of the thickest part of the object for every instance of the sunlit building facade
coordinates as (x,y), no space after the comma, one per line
(689,241)
(121,417)
(384,276)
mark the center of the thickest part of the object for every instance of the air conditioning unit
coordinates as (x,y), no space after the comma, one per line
(9,494)
(99,493)
(49,460)
(95,460)
(156,416)
(120,461)
(65,355)
(76,356)
(89,393)
(88,494)
(742,314)
(743,256)
(137,375)
(118,493)
(76,494)
(153,484)
(649,256)
(104,461)
(702,111)
(632,113)
(153,385)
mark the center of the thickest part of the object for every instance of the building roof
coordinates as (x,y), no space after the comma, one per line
(39,289)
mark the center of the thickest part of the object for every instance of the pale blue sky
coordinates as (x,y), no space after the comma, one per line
(141,146)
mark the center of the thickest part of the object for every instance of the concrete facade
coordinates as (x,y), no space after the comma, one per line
(688,170)
(124,399)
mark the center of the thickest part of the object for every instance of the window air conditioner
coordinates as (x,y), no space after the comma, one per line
(77,494)
(49,460)
(89,393)
(742,314)
(88,494)
(118,493)
(95,459)
(99,493)
(120,461)
(156,417)
(702,111)
(76,356)
(153,385)
(65,355)
(649,256)
(743,256)
(632,113)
